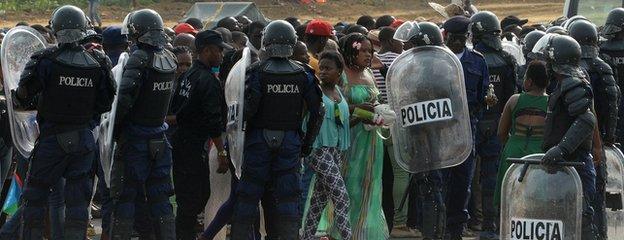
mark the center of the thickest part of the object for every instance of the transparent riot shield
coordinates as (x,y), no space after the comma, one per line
(614,188)
(234,98)
(539,202)
(17,47)
(428,94)
(107,123)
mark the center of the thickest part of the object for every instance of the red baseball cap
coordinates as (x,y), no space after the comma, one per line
(185,28)
(396,23)
(320,28)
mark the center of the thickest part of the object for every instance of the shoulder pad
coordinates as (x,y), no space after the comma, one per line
(578,99)
(76,58)
(253,67)
(602,67)
(137,59)
(476,52)
(281,66)
(164,61)
(44,53)
(570,83)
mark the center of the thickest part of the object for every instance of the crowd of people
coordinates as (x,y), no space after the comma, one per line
(318,157)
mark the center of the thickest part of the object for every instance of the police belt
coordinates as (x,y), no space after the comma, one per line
(61,128)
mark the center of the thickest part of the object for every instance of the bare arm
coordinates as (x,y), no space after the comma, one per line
(504,126)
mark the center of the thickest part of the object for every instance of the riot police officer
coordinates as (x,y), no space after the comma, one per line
(427,186)
(277,92)
(70,87)
(606,101)
(486,31)
(143,162)
(476,77)
(612,52)
(569,120)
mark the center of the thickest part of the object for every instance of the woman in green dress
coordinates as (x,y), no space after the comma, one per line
(363,166)
(521,126)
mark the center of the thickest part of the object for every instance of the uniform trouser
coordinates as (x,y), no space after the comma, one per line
(191,180)
(67,155)
(145,166)
(429,206)
(600,216)
(457,194)
(488,150)
(327,162)
(275,162)
(142,223)
(588,178)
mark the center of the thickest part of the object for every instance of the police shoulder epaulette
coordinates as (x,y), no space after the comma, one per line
(477,53)
(601,66)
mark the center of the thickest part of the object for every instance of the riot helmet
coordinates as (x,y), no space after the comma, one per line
(562,53)
(614,23)
(569,22)
(530,40)
(425,35)
(584,32)
(486,28)
(145,26)
(69,24)
(403,32)
(279,39)
(557,29)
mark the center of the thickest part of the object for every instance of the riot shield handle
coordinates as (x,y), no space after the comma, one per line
(526,163)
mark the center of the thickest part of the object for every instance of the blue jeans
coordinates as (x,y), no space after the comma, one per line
(588,178)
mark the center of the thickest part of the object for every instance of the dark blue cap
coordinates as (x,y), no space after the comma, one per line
(210,37)
(456,24)
(112,36)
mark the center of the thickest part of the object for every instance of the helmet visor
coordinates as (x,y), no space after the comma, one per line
(406,31)
(542,48)
(70,35)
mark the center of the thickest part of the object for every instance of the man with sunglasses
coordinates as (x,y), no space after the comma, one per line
(476,76)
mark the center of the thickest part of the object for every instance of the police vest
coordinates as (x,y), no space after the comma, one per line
(617,61)
(498,68)
(281,105)
(152,103)
(69,94)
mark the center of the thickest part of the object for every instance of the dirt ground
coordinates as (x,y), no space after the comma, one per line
(334,10)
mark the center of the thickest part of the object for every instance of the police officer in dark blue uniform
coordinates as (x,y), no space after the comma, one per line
(70,87)
(606,102)
(143,160)
(476,76)
(278,93)
(570,123)
(486,30)
(199,105)
(612,52)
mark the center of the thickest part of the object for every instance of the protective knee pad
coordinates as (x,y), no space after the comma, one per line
(287,192)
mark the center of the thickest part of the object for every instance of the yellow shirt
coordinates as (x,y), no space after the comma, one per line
(314,63)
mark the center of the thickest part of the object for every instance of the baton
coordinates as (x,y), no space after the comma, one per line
(526,163)
(536,161)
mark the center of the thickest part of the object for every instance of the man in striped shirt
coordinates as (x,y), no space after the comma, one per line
(390,50)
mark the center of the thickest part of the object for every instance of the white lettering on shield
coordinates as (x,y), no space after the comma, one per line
(536,229)
(426,112)
(232,114)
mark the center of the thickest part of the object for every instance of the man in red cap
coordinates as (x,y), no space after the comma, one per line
(185,28)
(316,34)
